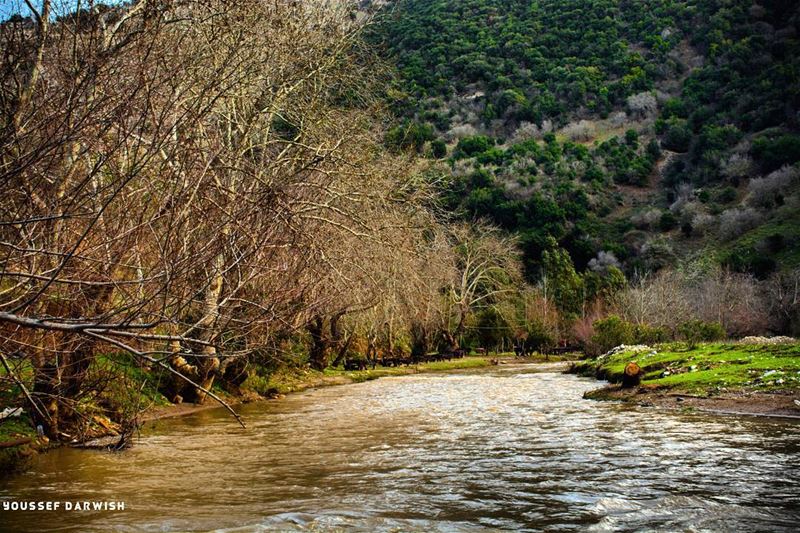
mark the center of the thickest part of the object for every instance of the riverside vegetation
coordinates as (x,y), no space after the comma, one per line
(206,198)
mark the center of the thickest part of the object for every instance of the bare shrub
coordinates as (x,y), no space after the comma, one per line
(704,223)
(583,130)
(737,166)
(684,193)
(459,132)
(734,222)
(763,192)
(699,292)
(603,262)
(618,119)
(643,104)
(529,130)
(646,219)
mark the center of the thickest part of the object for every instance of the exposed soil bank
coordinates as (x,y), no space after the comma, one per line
(784,404)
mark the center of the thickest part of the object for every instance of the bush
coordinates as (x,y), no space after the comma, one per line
(667,221)
(610,332)
(470,146)
(772,154)
(409,135)
(646,334)
(438,149)
(764,192)
(695,331)
(735,222)
(677,138)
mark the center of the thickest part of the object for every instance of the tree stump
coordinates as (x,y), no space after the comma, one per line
(632,375)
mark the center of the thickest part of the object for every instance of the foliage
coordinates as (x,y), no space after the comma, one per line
(695,331)
(709,90)
(611,332)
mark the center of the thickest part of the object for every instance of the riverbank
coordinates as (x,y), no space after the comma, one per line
(729,378)
(291,380)
(23,442)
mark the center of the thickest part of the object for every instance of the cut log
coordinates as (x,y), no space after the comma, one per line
(16,442)
(632,375)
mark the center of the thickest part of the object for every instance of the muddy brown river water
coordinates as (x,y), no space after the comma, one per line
(508,448)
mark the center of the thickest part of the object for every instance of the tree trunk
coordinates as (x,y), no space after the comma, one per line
(318,353)
(209,362)
(632,376)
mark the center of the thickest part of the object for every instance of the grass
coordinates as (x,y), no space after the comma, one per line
(288,379)
(707,368)
(11,429)
(786,222)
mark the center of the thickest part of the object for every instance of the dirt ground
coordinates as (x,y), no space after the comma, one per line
(784,404)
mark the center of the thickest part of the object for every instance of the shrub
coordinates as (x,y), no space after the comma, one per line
(610,332)
(764,192)
(694,331)
(774,153)
(677,138)
(667,221)
(470,146)
(438,149)
(409,135)
(734,222)
(726,195)
(646,334)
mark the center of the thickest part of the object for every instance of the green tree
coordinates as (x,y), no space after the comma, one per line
(561,280)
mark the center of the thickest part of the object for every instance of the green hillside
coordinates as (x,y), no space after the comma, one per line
(649,130)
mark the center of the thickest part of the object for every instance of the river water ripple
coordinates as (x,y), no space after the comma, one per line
(510,448)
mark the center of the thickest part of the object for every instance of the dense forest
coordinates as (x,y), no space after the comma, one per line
(199,194)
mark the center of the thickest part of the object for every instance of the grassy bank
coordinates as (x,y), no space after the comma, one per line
(292,379)
(14,430)
(724,376)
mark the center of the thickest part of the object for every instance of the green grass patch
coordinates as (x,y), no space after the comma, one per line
(707,368)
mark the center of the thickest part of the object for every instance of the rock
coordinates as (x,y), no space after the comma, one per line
(767,340)
(10,412)
(628,348)
(632,375)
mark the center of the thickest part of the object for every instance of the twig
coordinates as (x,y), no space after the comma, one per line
(21,385)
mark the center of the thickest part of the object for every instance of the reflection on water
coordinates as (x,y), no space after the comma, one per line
(511,448)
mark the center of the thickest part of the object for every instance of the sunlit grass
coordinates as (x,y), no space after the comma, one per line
(709,367)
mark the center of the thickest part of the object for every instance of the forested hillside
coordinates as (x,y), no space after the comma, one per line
(654,131)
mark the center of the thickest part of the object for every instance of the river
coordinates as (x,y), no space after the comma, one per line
(506,448)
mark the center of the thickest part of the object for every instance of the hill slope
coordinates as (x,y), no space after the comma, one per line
(649,130)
